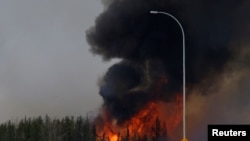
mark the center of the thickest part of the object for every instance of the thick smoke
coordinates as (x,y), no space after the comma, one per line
(150,47)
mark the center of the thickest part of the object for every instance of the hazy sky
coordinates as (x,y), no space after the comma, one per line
(45,63)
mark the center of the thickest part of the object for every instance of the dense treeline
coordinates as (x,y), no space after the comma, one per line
(65,129)
(47,129)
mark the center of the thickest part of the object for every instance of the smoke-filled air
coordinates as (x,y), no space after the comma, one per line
(142,94)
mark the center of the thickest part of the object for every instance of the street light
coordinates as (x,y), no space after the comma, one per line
(184,69)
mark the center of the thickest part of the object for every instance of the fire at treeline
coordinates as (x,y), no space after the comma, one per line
(142,93)
(63,129)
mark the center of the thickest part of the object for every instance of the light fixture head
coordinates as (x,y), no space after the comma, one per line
(154,12)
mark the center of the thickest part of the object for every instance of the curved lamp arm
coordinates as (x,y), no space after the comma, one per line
(184,69)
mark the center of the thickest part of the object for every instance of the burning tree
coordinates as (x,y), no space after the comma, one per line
(150,122)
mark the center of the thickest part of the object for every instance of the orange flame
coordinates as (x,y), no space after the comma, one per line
(156,118)
(114,138)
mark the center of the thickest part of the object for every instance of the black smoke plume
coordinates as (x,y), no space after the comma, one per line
(150,47)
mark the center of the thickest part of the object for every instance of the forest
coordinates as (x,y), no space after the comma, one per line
(47,129)
(64,129)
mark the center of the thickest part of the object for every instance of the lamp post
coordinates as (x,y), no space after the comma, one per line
(184,69)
